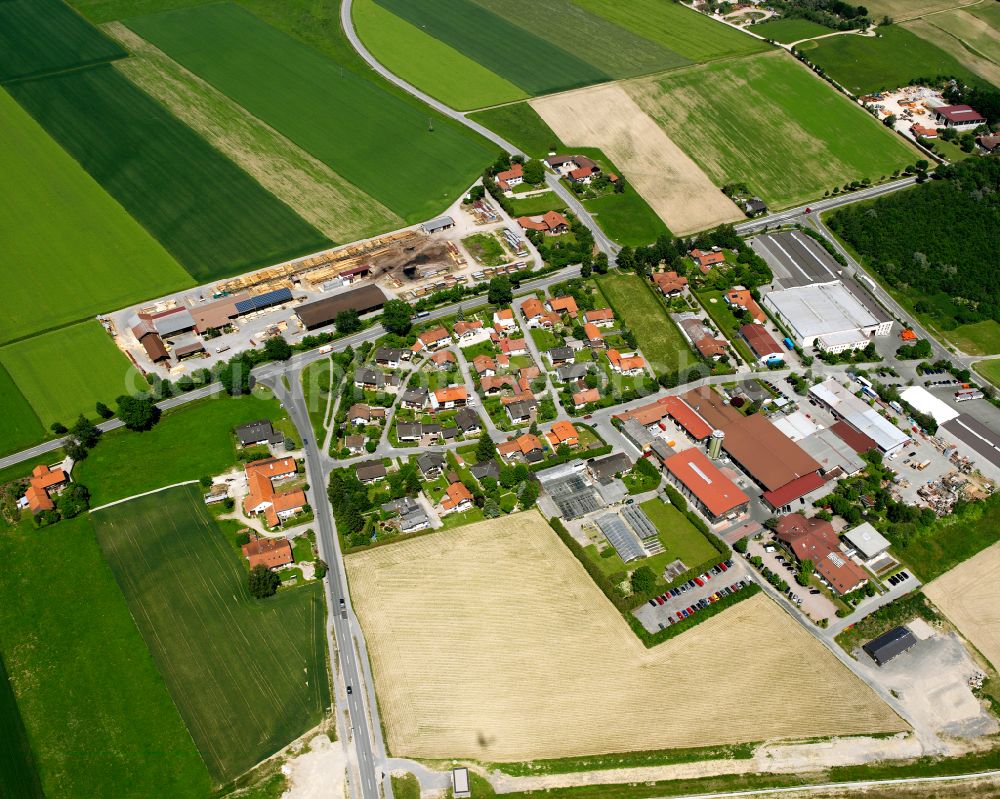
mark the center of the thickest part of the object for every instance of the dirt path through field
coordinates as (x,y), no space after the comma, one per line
(491,642)
(317,193)
(674,186)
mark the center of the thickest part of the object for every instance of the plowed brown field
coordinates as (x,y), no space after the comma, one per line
(492,642)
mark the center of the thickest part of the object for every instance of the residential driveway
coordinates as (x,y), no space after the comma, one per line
(658,617)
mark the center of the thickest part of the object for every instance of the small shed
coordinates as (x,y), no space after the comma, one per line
(460,783)
(890,645)
(437,225)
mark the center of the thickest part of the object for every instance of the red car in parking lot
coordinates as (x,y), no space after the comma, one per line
(699,582)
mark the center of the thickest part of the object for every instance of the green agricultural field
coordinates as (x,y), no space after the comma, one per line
(335,207)
(971,35)
(659,339)
(627,218)
(83,252)
(790,30)
(611,48)
(18,774)
(214,218)
(778,128)
(42,36)
(521,56)
(190,442)
(990,370)
(894,59)
(64,373)
(429,63)
(98,716)
(248,676)
(402,154)
(521,125)
(21,425)
(686,32)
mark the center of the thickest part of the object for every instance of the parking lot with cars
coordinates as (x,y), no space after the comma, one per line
(693,596)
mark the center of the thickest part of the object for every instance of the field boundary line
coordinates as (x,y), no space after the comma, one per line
(143,494)
(835,785)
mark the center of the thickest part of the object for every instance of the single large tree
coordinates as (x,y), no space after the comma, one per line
(347,321)
(277,349)
(262,582)
(397,317)
(534,172)
(86,432)
(500,292)
(137,413)
(486,450)
(235,375)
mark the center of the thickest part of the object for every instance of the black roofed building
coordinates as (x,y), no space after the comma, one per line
(468,421)
(259,432)
(431,464)
(890,645)
(371,471)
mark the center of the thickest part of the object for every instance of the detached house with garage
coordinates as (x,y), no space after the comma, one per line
(263,497)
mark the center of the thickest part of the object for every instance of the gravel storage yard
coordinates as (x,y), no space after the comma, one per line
(491,642)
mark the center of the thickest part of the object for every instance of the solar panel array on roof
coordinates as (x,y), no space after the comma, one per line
(622,539)
(266,300)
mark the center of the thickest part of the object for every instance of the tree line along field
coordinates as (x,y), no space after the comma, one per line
(247,676)
(84,253)
(207,212)
(406,157)
(448,689)
(81,675)
(334,206)
(776,127)
(41,36)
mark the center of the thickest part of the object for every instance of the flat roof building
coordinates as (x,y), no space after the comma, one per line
(827,315)
(868,541)
(836,457)
(859,415)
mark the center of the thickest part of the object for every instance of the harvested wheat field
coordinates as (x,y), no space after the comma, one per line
(969,595)
(492,642)
(673,185)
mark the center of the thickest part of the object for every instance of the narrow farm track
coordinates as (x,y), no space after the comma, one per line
(605,244)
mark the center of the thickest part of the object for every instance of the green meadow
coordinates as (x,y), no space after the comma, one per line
(521,125)
(21,425)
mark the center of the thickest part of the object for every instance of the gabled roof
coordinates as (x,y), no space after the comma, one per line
(599,315)
(702,478)
(566,304)
(451,394)
(532,308)
(592,333)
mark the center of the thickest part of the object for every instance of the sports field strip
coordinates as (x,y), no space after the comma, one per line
(407,158)
(64,373)
(97,713)
(897,57)
(775,126)
(248,676)
(335,207)
(69,250)
(42,36)
(207,212)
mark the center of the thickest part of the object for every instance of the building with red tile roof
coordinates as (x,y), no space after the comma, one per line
(504,318)
(581,398)
(815,540)
(562,305)
(457,498)
(706,260)
(670,283)
(551,223)
(43,483)
(532,310)
(602,317)
(432,339)
(519,447)
(484,365)
(562,432)
(449,397)
(701,481)
(739,297)
(761,343)
(443,359)
(513,346)
(269,552)
(594,337)
(466,330)
(262,496)
(511,177)
(625,364)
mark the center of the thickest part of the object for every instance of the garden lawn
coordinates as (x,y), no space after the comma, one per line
(427,62)
(208,213)
(401,153)
(41,36)
(84,253)
(788,31)
(520,125)
(485,249)
(315,378)
(248,676)
(990,370)
(781,130)
(627,218)
(188,443)
(97,714)
(536,65)
(21,426)
(17,764)
(896,58)
(659,338)
(64,373)
(537,204)
(680,538)
(686,32)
